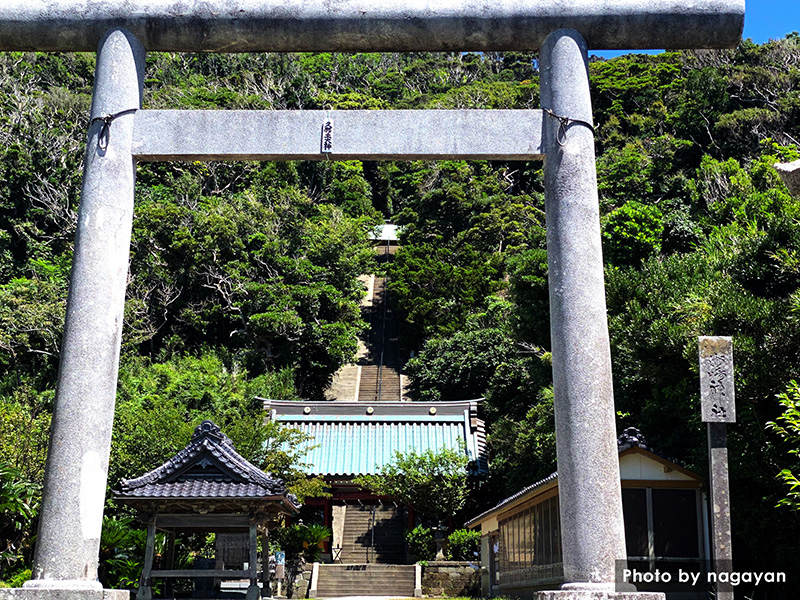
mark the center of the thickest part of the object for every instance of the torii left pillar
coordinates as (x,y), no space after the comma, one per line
(71,517)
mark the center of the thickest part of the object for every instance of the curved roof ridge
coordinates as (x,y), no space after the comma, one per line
(167,468)
(207,436)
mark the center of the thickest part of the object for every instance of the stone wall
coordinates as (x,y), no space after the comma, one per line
(297,575)
(451,578)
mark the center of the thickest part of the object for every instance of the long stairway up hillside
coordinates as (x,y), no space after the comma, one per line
(336,581)
(364,543)
(376,376)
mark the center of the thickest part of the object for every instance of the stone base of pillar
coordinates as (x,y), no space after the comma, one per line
(62,594)
(597,595)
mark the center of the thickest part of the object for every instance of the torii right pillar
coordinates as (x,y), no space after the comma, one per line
(590,497)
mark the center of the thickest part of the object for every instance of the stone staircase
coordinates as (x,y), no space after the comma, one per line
(358,536)
(373,390)
(365,580)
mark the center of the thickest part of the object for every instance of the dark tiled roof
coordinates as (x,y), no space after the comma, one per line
(510,499)
(198,489)
(207,468)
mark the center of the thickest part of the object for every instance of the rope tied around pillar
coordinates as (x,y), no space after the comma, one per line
(564,122)
(102,140)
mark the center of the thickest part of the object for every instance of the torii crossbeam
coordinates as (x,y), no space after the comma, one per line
(122,134)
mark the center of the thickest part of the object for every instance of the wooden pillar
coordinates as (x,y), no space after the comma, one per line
(171,549)
(253,591)
(145,587)
(266,591)
(169,585)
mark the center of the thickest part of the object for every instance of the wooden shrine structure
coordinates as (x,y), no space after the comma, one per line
(348,439)
(207,487)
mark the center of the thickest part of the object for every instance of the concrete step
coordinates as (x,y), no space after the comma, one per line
(365,580)
(386,545)
(389,385)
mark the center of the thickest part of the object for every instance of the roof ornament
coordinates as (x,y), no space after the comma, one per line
(631,437)
(209,429)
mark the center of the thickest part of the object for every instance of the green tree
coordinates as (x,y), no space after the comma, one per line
(275,278)
(433,482)
(488,359)
(631,233)
(160,404)
(787,426)
(19,503)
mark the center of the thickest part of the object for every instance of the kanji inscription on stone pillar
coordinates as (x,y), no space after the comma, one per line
(716,380)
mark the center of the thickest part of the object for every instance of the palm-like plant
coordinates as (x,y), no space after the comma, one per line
(314,538)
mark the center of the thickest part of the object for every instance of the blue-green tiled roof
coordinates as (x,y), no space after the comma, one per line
(351,438)
(346,448)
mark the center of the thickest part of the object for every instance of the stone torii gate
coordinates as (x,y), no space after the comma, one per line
(121,134)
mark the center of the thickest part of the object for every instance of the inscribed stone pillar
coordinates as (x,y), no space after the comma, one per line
(77,464)
(718,407)
(588,466)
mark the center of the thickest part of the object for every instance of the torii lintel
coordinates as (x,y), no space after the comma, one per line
(369,25)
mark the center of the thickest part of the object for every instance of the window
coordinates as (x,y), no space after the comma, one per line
(675,523)
(531,544)
(634,507)
(662,525)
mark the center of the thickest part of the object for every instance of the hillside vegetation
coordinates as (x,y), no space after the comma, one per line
(243,276)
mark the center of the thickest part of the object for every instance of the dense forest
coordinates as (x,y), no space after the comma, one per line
(243,276)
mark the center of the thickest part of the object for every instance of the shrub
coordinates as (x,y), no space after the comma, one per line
(290,540)
(631,233)
(300,540)
(463,544)
(420,543)
(313,538)
(17,580)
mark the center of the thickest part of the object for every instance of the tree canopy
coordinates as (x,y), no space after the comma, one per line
(243,277)
(433,482)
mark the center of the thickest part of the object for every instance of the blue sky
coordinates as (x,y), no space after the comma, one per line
(763,20)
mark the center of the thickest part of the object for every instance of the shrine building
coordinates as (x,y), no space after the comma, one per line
(358,438)
(666,527)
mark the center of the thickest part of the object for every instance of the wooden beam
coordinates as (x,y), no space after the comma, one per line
(220,573)
(209,522)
